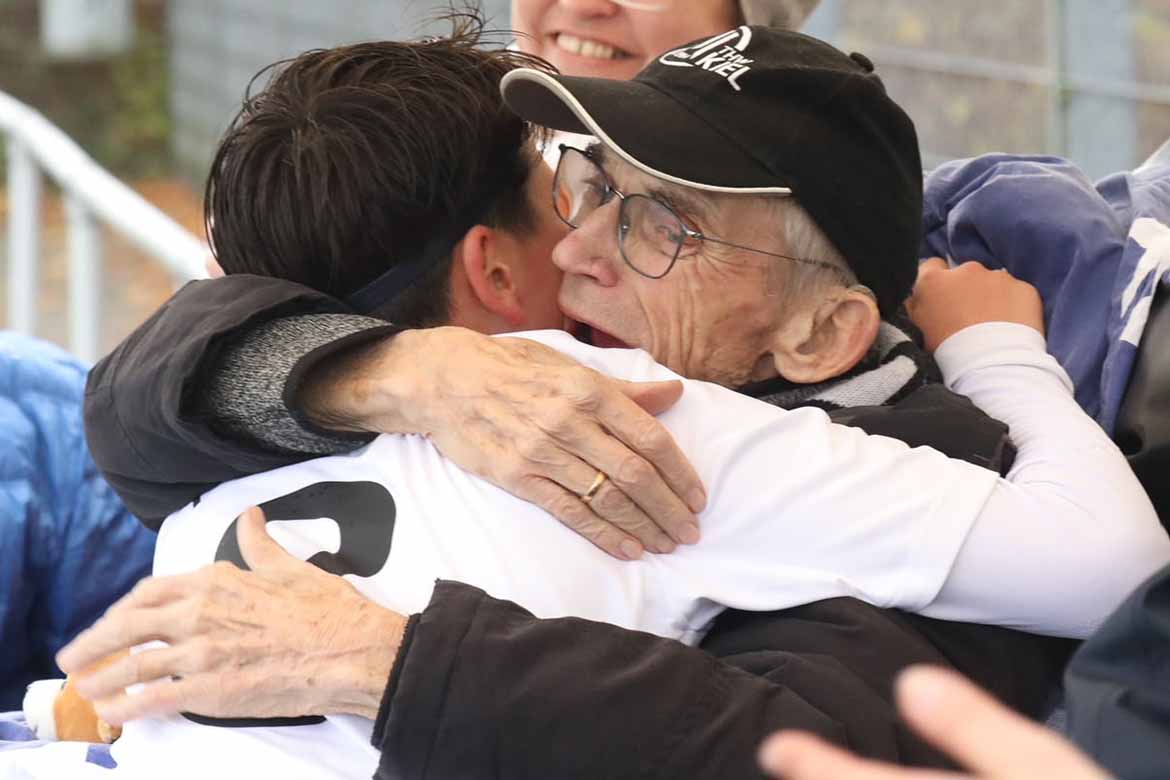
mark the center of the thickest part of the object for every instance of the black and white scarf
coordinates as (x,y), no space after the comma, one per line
(894,368)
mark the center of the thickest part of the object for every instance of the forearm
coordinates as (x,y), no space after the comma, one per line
(1070,532)
(484,689)
(255,387)
(146,424)
(379,637)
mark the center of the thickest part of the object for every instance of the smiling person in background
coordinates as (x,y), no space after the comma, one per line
(614,39)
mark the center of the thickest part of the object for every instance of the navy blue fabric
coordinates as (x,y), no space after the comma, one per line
(15,734)
(1118,686)
(68,547)
(1096,252)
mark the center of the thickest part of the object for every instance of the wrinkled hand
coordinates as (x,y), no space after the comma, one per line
(283,640)
(952,714)
(946,300)
(531,421)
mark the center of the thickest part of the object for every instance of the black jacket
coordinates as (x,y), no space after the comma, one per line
(482,688)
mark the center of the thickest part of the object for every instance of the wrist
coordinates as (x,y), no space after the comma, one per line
(372,388)
(995,345)
(366,669)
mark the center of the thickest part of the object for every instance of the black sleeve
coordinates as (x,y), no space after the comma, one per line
(933,416)
(1117,689)
(482,689)
(144,404)
(250,391)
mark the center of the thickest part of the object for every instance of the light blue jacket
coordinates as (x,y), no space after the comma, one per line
(68,548)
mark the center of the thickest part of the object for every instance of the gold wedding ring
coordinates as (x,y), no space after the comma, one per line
(598,481)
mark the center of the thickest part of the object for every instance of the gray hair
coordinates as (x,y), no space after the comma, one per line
(797,283)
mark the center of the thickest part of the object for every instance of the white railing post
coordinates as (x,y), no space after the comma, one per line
(36,147)
(85,279)
(24,236)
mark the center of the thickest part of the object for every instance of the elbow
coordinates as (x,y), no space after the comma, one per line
(1122,559)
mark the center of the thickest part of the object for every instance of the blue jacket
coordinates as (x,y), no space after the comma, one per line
(1096,252)
(68,547)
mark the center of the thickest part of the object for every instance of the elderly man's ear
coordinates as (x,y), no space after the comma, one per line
(825,341)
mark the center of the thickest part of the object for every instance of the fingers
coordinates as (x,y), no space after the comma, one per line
(259,550)
(794,755)
(577,516)
(613,506)
(982,734)
(124,630)
(635,497)
(651,440)
(138,617)
(143,667)
(165,697)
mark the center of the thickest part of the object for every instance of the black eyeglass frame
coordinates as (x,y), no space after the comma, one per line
(686,232)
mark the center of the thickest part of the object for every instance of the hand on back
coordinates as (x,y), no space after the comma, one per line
(534,422)
(282,640)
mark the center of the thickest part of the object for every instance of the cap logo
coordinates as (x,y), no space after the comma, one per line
(721,55)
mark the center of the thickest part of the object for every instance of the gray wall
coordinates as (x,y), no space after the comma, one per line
(217,45)
(1083,79)
(1088,79)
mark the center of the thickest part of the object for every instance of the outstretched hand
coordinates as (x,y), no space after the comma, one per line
(979,733)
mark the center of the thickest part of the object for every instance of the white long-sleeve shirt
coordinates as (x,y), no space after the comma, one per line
(799,510)
(1069,533)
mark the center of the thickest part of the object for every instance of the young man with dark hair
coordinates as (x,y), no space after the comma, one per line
(329,172)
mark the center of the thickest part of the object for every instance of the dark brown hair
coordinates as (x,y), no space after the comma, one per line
(354,159)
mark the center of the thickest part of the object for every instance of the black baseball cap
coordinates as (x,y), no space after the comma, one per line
(757,110)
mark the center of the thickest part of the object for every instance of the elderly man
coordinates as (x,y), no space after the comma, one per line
(651,663)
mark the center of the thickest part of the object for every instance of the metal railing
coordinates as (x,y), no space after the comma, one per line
(35,147)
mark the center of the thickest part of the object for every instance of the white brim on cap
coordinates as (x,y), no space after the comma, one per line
(541,97)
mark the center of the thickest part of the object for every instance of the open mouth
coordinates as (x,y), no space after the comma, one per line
(588,334)
(584,47)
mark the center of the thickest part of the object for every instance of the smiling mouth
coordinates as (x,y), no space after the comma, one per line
(584,47)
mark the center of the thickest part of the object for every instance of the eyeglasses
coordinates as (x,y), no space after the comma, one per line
(651,234)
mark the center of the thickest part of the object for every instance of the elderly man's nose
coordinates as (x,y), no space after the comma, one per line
(590,249)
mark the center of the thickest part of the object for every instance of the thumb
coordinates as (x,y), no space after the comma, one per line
(654,397)
(260,551)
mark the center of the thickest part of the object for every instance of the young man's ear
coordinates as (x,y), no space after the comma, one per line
(826,342)
(483,257)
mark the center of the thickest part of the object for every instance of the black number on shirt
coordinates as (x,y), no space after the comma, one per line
(364,513)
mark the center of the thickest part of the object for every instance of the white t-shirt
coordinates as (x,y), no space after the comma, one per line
(799,510)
